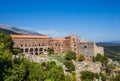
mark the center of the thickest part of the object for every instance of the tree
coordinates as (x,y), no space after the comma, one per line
(69,55)
(6,45)
(81,58)
(16,51)
(21,69)
(50,51)
(69,65)
(100,58)
(103,78)
(88,76)
(17,73)
(6,40)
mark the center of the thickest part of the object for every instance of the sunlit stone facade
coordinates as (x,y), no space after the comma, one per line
(34,44)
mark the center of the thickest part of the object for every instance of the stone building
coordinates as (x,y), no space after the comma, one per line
(31,44)
(57,44)
(61,45)
(34,44)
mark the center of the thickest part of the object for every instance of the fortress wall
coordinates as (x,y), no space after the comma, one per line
(87,49)
(99,50)
(90,49)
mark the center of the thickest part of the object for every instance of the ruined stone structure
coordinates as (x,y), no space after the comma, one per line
(34,44)
(90,49)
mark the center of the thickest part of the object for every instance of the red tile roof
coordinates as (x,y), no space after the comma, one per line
(29,36)
(58,39)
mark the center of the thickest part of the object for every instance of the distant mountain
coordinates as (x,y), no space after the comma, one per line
(111,42)
(7,31)
(115,42)
(13,29)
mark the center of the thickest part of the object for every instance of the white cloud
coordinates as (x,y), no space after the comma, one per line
(52,33)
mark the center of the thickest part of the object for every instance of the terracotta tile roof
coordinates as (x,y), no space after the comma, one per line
(29,36)
(58,39)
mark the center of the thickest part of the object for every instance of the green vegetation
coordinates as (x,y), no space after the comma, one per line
(100,58)
(69,55)
(90,76)
(58,57)
(69,65)
(20,69)
(117,78)
(111,50)
(50,51)
(81,58)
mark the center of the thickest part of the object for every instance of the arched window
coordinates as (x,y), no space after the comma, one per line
(41,49)
(36,49)
(85,46)
(22,50)
(31,49)
(26,50)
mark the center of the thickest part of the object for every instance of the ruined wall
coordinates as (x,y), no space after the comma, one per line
(87,49)
(99,50)
(90,49)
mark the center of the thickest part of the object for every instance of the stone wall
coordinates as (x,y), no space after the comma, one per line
(90,49)
(87,49)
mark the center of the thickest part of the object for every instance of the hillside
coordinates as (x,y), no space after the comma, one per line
(112,50)
(7,31)
(18,30)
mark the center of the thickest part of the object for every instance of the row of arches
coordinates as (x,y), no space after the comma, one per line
(36,51)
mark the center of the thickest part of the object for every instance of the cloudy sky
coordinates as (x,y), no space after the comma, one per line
(95,20)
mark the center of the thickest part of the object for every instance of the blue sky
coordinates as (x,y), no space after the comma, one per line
(95,20)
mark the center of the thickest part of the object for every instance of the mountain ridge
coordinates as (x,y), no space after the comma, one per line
(18,30)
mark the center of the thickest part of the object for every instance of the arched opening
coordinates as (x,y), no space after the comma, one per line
(36,49)
(85,46)
(36,53)
(26,50)
(41,49)
(45,49)
(22,50)
(31,49)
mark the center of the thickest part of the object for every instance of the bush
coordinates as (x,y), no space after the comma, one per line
(69,55)
(81,58)
(50,51)
(100,58)
(69,65)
